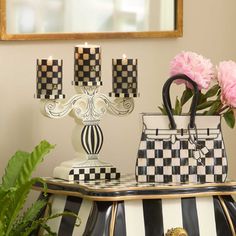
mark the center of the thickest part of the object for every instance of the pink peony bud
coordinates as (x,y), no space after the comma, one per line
(227,82)
(195,66)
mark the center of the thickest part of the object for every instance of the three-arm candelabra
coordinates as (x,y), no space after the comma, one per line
(88,105)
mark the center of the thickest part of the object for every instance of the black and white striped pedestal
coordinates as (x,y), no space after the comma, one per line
(203,216)
(127,208)
(92,139)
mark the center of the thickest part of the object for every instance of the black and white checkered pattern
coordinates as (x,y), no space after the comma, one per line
(165,161)
(124,95)
(49,79)
(93,173)
(124,77)
(124,182)
(128,182)
(87,66)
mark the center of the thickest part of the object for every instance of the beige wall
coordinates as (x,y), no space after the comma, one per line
(209,29)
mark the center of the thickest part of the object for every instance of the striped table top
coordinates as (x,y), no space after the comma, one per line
(126,188)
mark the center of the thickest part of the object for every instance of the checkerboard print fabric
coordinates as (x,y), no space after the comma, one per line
(93,173)
(87,66)
(125,76)
(49,79)
(171,156)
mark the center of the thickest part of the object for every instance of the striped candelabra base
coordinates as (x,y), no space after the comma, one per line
(93,168)
(92,140)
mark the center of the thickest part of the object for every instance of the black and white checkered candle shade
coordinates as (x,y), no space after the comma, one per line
(125,75)
(49,79)
(87,66)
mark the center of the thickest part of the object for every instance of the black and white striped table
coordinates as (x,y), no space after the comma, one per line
(127,208)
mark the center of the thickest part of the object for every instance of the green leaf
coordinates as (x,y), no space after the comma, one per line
(214,108)
(13,169)
(5,203)
(33,211)
(212,91)
(178,107)
(205,105)
(42,222)
(201,98)
(3,194)
(229,118)
(187,94)
(2,231)
(16,184)
(163,110)
(31,162)
(28,217)
(22,164)
(17,202)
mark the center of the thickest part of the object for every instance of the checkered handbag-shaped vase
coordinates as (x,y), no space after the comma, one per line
(186,148)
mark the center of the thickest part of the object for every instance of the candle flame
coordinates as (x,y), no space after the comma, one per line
(86,44)
(124,56)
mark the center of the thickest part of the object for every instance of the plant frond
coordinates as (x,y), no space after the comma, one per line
(18,202)
(28,217)
(33,160)
(14,169)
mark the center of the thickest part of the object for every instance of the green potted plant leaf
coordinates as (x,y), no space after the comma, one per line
(14,189)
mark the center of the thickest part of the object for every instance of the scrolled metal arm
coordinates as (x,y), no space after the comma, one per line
(59,109)
(89,106)
(118,107)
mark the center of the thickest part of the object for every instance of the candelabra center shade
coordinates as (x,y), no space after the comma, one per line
(87,65)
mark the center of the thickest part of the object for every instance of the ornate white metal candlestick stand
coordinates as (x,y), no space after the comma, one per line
(88,106)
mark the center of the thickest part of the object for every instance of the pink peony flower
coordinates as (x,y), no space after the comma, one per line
(227,82)
(195,66)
